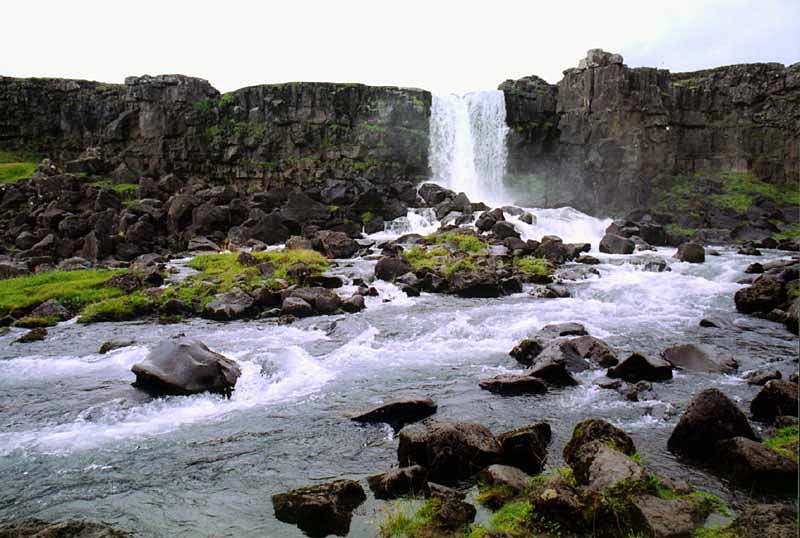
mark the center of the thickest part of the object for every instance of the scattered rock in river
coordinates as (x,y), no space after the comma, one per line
(451,451)
(403,482)
(616,244)
(755,466)
(320,510)
(777,398)
(710,417)
(691,252)
(760,377)
(693,358)
(36,528)
(637,367)
(185,367)
(111,345)
(526,447)
(513,385)
(231,305)
(34,335)
(398,413)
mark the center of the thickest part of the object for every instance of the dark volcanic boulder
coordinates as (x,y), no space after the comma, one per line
(36,528)
(600,466)
(553,370)
(640,368)
(777,398)
(655,516)
(692,358)
(755,465)
(761,377)
(399,412)
(477,282)
(710,417)
(616,244)
(594,350)
(231,305)
(297,307)
(320,510)
(335,244)
(390,267)
(526,447)
(451,451)
(691,252)
(766,293)
(504,229)
(514,479)
(513,385)
(185,367)
(406,481)
(592,431)
(322,300)
(526,351)
(563,329)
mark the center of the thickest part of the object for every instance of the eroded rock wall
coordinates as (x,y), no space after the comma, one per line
(622,133)
(280,135)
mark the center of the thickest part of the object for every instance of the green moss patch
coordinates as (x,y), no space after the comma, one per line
(460,242)
(128,192)
(73,289)
(784,442)
(15,166)
(535,266)
(32,322)
(125,308)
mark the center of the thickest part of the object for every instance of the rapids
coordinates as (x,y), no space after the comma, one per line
(77,441)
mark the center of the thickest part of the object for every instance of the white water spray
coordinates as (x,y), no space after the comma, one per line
(468,144)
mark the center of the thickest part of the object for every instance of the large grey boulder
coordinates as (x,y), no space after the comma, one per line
(185,367)
(640,368)
(756,466)
(693,358)
(451,451)
(513,385)
(691,252)
(406,481)
(526,447)
(616,244)
(231,305)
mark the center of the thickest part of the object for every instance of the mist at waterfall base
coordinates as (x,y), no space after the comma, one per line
(77,441)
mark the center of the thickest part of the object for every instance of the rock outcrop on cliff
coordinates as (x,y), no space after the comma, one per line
(609,138)
(266,137)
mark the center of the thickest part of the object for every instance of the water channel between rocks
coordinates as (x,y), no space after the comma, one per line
(77,441)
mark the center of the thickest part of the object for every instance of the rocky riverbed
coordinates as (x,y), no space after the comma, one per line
(78,441)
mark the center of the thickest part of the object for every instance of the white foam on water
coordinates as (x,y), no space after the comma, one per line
(569,224)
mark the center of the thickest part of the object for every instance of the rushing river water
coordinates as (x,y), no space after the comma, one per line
(77,441)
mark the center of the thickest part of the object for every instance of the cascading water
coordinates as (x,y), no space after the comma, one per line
(468,144)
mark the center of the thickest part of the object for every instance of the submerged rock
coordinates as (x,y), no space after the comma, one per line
(111,345)
(36,528)
(451,451)
(513,385)
(34,335)
(710,417)
(185,367)
(398,413)
(320,510)
(692,358)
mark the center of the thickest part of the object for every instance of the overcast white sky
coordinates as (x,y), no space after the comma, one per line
(436,45)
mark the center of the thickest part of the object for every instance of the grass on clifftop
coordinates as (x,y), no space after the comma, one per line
(734,190)
(73,289)
(785,442)
(15,166)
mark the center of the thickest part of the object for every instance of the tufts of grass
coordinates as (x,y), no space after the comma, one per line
(535,266)
(461,242)
(128,192)
(784,442)
(678,230)
(16,165)
(715,532)
(73,289)
(402,521)
(420,257)
(32,322)
(741,189)
(514,519)
(125,308)
(460,265)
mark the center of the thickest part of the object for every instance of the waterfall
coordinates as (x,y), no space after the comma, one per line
(468,144)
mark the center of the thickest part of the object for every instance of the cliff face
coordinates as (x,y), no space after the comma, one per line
(622,134)
(272,136)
